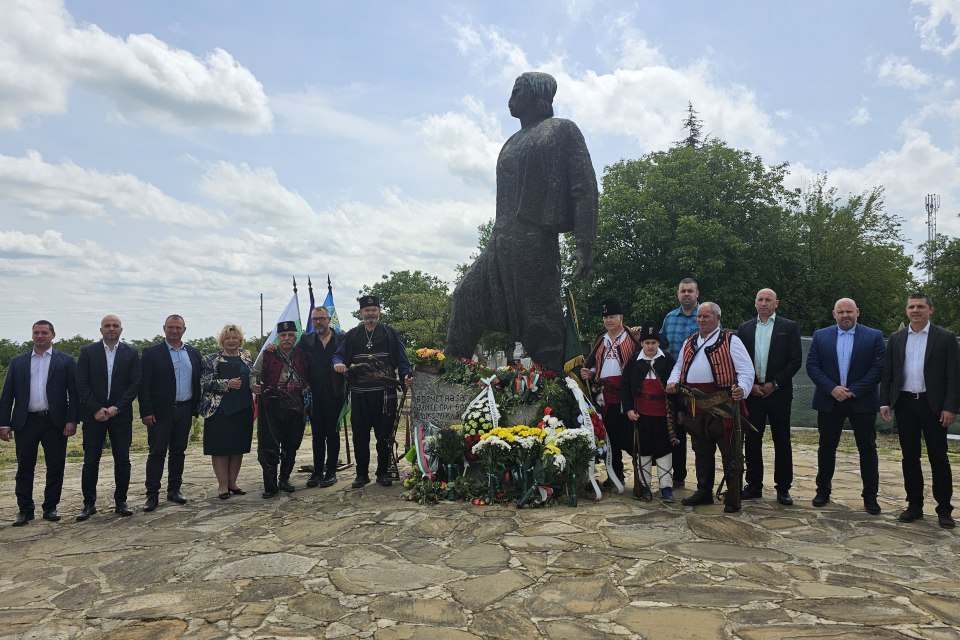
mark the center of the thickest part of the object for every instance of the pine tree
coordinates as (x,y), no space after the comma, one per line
(694,126)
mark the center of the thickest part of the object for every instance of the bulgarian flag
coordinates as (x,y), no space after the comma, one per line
(291,313)
(572,352)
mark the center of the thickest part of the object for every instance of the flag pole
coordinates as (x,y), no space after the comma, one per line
(294,285)
(329,285)
(261,319)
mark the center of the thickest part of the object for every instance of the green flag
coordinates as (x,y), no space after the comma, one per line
(572,351)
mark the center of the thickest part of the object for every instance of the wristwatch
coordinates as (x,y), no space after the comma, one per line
(776,387)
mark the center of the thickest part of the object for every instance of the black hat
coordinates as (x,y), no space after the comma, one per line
(368,301)
(611,307)
(649,332)
(286,325)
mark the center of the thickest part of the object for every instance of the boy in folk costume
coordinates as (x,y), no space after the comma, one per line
(611,350)
(647,405)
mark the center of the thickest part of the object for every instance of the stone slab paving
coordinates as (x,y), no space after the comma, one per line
(342,563)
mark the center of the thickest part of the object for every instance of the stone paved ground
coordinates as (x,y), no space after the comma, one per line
(341,563)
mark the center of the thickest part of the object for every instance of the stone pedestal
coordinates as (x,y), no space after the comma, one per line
(437,402)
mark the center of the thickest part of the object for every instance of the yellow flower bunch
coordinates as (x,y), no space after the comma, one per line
(551,450)
(523,431)
(506,435)
(429,354)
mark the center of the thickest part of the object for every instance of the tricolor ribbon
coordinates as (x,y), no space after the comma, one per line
(421,456)
(585,407)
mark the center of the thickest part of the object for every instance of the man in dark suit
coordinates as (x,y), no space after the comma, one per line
(845,362)
(108,380)
(169,396)
(774,345)
(320,345)
(921,382)
(39,404)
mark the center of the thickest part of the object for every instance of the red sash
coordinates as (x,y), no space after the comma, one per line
(645,406)
(610,398)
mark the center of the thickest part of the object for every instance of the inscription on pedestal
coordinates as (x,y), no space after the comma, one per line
(437,402)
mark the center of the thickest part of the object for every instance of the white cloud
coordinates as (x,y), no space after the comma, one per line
(50,244)
(321,113)
(898,71)
(928,26)
(643,97)
(784,114)
(256,194)
(907,174)
(66,189)
(467,143)
(860,115)
(42,53)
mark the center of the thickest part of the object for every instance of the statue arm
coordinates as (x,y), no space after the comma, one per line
(585,197)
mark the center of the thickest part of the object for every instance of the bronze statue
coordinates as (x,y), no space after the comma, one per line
(546,185)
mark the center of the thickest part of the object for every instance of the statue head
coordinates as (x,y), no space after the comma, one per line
(533,95)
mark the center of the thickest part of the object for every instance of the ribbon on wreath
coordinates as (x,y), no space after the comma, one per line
(585,406)
(421,457)
(487,384)
(524,382)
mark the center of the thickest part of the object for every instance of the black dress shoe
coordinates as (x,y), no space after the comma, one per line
(285,485)
(945,520)
(910,514)
(23,518)
(751,492)
(123,509)
(315,480)
(698,497)
(224,495)
(360,481)
(384,481)
(238,492)
(266,495)
(783,497)
(329,481)
(87,511)
(152,501)
(176,496)
(53,515)
(731,509)
(871,505)
(820,500)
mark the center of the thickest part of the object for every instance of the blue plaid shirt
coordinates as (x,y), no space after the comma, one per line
(676,328)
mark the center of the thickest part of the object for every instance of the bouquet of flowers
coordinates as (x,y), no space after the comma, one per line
(424,356)
(577,448)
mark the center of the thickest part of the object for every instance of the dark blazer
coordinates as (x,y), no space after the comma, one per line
(323,379)
(866,365)
(941,369)
(158,390)
(785,356)
(635,372)
(62,398)
(92,381)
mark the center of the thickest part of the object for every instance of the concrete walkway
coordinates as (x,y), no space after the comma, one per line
(342,563)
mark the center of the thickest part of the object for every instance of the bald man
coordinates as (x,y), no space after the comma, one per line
(773,343)
(108,381)
(845,363)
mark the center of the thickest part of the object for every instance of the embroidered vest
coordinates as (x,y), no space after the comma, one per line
(272,367)
(717,354)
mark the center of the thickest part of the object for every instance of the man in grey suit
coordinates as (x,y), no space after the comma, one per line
(921,382)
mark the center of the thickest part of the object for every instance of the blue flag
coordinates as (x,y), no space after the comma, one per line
(313,305)
(328,303)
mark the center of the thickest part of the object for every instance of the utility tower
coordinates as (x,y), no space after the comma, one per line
(933,205)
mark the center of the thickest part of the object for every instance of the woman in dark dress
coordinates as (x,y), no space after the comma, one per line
(227,408)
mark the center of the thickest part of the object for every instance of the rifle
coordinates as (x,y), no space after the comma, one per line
(735,473)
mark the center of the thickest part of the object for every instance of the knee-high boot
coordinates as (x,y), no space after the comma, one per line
(704,492)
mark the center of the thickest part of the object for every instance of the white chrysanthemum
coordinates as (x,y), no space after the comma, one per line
(553,422)
(559,461)
(492,441)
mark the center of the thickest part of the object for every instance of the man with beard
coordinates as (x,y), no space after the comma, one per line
(845,362)
(376,350)
(281,380)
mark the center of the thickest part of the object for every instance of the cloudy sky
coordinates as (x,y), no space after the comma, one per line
(184,157)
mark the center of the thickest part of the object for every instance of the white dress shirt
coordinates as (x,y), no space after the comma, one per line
(111,356)
(700,371)
(651,375)
(39,368)
(916,351)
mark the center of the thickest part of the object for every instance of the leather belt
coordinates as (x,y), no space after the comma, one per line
(45,412)
(655,398)
(177,405)
(913,396)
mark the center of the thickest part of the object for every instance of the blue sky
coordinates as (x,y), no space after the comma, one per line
(183,157)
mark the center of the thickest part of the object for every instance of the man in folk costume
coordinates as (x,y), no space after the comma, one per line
(646,403)
(281,377)
(611,350)
(715,362)
(373,393)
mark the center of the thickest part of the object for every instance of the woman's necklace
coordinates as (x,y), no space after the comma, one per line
(370,336)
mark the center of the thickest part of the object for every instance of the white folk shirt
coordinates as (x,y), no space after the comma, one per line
(651,375)
(111,356)
(700,371)
(611,366)
(916,350)
(39,368)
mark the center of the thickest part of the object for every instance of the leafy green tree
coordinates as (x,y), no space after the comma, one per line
(416,304)
(205,345)
(143,343)
(943,262)
(8,350)
(71,345)
(713,213)
(847,248)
